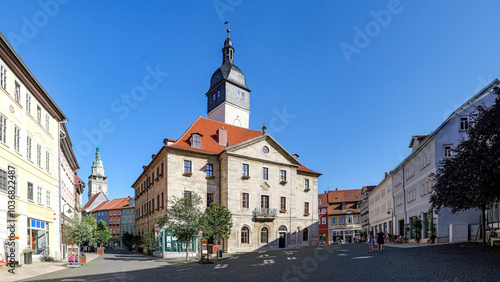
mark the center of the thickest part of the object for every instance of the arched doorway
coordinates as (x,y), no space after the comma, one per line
(282,236)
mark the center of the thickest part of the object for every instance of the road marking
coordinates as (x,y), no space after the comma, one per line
(220,266)
(69,279)
(265,262)
(291,258)
(182,269)
(290,252)
(236,257)
(266,256)
(342,255)
(367,257)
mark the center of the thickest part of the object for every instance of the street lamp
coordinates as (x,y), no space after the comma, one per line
(63,219)
(389,210)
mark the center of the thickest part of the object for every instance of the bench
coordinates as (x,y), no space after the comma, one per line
(495,242)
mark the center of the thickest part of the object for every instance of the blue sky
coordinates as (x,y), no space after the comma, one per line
(356,79)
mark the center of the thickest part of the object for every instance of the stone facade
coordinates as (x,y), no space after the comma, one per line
(296,225)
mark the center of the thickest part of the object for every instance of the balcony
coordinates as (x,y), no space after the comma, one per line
(265,214)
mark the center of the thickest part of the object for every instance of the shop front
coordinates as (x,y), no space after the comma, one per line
(167,243)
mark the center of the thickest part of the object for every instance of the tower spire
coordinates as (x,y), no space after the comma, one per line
(228,50)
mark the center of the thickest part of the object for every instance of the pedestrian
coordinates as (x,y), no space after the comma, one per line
(371,242)
(380,241)
(133,247)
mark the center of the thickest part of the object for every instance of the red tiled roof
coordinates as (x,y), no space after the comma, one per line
(122,203)
(333,210)
(324,200)
(91,200)
(303,168)
(344,196)
(208,128)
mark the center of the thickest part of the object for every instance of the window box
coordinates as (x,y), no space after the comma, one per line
(283,182)
(307,190)
(282,211)
(306,214)
(152,184)
(245,177)
(157,179)
(188,174)
(209,177)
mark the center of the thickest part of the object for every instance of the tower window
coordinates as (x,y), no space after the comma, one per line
(196,140)
(213,97)
(218,93)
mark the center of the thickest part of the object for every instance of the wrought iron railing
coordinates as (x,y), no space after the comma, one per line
(265,212)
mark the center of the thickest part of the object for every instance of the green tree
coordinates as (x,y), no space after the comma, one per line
(217,222)
(128,239)
(102,233)
(470,179)
(182,218)
(80,232)
(149,239)
(90,220)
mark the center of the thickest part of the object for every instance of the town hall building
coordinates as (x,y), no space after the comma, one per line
(272,196)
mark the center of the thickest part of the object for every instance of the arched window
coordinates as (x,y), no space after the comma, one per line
(263,235)
(305,235)
(282,228)
(244,235)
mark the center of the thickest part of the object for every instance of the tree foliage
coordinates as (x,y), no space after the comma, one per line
(217,222)
(149,239)
(182,218)
(128,239)
(102,233)
(470,179)
(81,231)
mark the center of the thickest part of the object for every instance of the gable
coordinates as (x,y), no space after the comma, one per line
(264,148)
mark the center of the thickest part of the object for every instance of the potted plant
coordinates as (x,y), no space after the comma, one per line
(245,177)
(28,255)
(282,211)
(209,177)
(83,258)
(188,174)
(306,214)
(307,190)
(283,182)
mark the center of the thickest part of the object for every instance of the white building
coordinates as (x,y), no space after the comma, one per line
(412,181)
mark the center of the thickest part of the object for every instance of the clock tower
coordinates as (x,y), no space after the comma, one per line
(97,180)
(228,99)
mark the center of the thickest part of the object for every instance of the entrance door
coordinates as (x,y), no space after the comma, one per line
(402,228)
(282,239)
(264,204)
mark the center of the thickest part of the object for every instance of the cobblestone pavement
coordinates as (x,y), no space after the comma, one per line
(453,262)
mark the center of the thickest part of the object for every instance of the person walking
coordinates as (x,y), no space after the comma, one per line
(371,242)
(380,241)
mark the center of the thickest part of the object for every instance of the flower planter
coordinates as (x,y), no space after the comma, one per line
(209,177)
(28,258)
(283,182)
(282,211)
(83,260)
(306,214)
(100,251)
(245,177)
(307,190)
(187,174)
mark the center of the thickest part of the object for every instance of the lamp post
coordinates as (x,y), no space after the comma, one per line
(63,219)
(389,210)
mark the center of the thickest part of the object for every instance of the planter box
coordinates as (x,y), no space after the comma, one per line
(100,251)
(28,258)
(83,260)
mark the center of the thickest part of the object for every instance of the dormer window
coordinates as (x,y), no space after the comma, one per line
(196,140)
(344,206)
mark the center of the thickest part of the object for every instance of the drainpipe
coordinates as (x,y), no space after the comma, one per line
(59,131)
(404,200)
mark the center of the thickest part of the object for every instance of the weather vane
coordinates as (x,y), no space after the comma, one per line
(228,30)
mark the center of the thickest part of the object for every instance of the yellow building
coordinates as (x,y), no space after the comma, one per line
(29,160)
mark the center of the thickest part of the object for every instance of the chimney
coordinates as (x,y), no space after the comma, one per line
(144,167)
(336,189)
(386,174)
(296,157)
(222,136)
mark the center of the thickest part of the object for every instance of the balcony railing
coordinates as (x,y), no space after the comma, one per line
(265,214)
